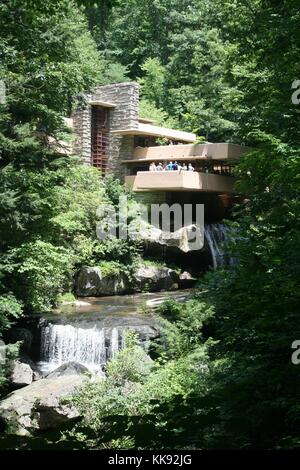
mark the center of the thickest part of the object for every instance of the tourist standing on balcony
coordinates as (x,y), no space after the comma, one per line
(191,168)
(175,166)
(152,167)
(184,167)
(170,166)
(160,167)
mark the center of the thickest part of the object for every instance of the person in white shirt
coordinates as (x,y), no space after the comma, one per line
(152,167)
(160,167)
(184,167)
(191,168)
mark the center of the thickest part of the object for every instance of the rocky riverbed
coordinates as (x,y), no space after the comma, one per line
(63,350)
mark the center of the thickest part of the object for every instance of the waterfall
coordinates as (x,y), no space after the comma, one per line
(215,235)
(65,343)
(114,344)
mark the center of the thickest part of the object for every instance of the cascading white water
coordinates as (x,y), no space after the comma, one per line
(114,343)
(216,234)
(65,343)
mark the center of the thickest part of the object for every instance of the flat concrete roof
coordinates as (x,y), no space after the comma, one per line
(105,104)
(164,159)
(146,121)
(156,131)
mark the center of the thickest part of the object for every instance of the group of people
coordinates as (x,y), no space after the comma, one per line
(171,166)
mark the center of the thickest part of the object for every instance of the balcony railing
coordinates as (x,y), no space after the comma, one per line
(220,151)
(180,181)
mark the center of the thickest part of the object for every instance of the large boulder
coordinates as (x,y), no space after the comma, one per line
(91,282)
(186,280)
(145,332)
(38,406)
(25,359)
(184,240)
(21,374)
(69,368)
(154,279)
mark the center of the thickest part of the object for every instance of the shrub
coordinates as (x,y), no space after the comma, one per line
(10,310)
(44,272)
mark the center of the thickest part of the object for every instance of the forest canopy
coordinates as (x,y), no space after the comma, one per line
(223,69)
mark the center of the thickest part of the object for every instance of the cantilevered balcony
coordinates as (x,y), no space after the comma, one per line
(188,152)
(146,129)
(180,181)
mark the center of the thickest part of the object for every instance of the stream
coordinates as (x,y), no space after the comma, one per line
(92,332)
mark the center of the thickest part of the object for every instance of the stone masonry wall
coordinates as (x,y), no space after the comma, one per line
(125,97)
(82,130)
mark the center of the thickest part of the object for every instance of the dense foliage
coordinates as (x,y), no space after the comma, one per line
(221,374)
(226,69)
(48,202)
